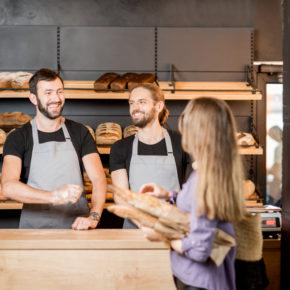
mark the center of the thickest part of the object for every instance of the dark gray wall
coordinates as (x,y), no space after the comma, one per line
(263,15)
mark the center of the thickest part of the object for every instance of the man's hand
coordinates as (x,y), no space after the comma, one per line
(66,193)
(155,190)
(84,223)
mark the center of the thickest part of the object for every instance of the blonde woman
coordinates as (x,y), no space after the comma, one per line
(212,194)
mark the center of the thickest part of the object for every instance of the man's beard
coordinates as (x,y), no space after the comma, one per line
(45,112)
(143,122)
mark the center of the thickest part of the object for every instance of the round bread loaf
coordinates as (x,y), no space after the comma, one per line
(91,131)
(2,137)
(9,121)
(248,188)
(108,133)
(130,130)
(245,139)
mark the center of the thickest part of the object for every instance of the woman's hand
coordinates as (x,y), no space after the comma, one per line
(152,235)
(155,190)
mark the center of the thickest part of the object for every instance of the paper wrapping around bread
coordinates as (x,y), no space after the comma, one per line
(104,81)
(166,219)
(130,130)
(92,132)
(9,121)
(2,137)
(245,139)
(108,133)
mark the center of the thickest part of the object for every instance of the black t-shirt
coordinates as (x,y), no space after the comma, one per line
(121,153)
(20,143)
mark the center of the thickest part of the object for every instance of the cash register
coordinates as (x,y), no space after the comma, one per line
(271,220)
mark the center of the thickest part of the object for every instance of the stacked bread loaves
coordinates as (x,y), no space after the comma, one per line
(88,186)
(108,133)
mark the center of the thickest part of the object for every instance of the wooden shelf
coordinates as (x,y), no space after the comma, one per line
(243,151)
(10,205)
(6,205)
(251,151)
(221,90)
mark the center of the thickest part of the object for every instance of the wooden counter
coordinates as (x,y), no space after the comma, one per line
(95,259)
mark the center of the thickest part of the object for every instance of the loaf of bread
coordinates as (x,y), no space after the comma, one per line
(245,139)
(9,121)
(15,80)
(2,137)
(4,80)
(142,79)
(104,81)
(130,130)
(108,133)
(121,82)
(20,80)
(248,188)
(91,131)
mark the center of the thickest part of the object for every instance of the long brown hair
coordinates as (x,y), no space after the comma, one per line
(209,136)
(157,95)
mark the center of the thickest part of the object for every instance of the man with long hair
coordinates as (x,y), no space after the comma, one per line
(154,154)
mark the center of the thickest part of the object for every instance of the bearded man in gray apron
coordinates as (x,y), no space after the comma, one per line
(154,154)
(43,160)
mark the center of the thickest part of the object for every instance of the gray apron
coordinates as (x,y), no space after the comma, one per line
(53,164)
(152,168)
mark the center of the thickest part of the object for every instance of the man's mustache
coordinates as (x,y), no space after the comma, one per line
(136,111)
(53,103)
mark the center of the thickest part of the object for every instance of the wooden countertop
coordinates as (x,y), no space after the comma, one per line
(12,239)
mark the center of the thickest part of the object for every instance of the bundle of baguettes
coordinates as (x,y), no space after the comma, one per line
(166,219)
(108,133)
(152,212)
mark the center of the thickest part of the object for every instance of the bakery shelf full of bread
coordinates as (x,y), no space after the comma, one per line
(239,91)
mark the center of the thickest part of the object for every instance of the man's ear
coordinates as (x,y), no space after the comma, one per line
(32,98)
(159,106)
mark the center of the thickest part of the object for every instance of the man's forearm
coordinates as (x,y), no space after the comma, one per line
(17,190)
(98,196)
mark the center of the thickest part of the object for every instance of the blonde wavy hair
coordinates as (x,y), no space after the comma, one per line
(209,136)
